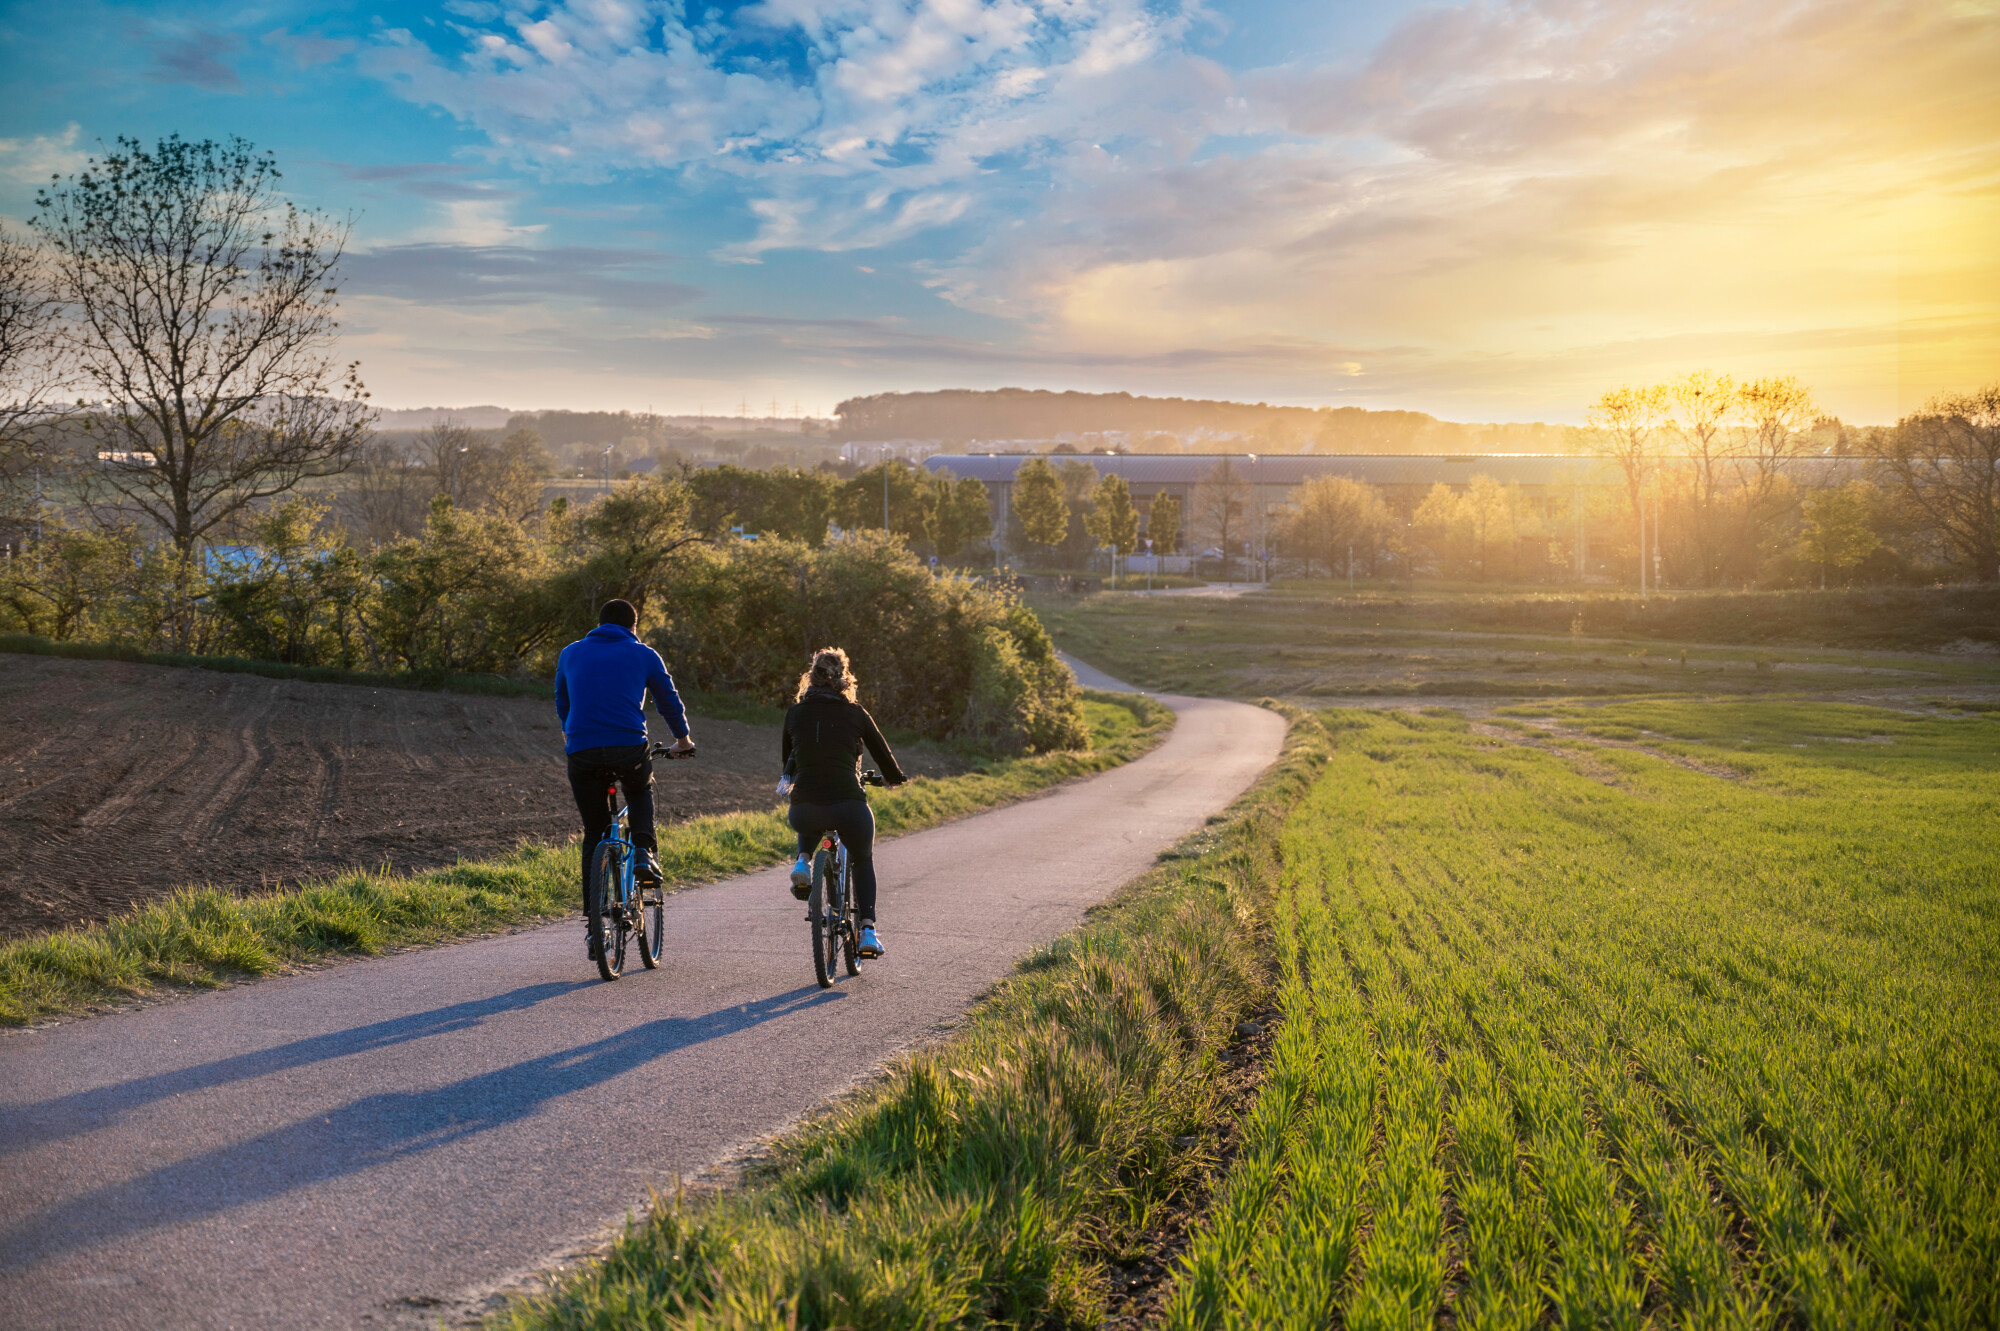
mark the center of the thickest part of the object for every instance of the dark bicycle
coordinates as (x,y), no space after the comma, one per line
(836,932)
(618,909)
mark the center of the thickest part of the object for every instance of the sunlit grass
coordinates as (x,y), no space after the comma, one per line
(203,936)
(1696,1050)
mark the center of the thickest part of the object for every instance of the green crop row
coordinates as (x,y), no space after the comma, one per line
(1697,1034)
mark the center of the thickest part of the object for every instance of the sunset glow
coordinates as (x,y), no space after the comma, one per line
(1489,212)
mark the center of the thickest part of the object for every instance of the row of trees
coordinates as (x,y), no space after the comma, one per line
(1713,461)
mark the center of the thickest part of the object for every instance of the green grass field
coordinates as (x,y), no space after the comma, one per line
(1308,643)
(202,936)
(1663,1014)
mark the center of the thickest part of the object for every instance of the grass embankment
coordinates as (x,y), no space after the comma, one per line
(1601,1036)
(1307,643)
(204,936)
(987,1179)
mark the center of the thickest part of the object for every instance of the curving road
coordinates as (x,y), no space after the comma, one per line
(386,1138)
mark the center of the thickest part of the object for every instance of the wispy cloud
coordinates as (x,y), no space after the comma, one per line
(31,161)
(200,57)
(509,275)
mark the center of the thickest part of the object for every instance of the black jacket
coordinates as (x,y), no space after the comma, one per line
(824,734)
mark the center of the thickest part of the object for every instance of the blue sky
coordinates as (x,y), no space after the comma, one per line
(1488,211)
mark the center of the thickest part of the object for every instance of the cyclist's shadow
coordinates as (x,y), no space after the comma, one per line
(373,1130)
(81,1112)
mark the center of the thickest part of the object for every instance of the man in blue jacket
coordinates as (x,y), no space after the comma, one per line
(601,683)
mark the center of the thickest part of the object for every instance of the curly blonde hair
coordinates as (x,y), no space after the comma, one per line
(829,671)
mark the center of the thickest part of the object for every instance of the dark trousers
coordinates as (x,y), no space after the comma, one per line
(592,773)
(855,822)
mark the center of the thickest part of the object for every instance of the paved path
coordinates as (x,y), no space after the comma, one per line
(332,1149)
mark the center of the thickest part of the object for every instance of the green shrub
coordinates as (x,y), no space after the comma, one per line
(936,655)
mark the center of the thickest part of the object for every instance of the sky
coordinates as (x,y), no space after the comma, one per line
(1487,211)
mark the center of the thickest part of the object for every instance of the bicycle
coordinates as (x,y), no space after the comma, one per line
(836,931)
(626,910)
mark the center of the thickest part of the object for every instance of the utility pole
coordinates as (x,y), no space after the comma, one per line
(607,468)
(885,488)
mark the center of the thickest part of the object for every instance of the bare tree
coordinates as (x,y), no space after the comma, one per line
(28,369)
(445,447)
(201,313)
(1778,411)
(1220,500)
(1698,409)
(1624,426)
(1945,463)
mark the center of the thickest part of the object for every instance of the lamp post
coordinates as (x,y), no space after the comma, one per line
(606,489)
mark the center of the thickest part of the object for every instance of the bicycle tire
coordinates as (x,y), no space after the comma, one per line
(825,934)
(850,928)
(607,936)
(652,924)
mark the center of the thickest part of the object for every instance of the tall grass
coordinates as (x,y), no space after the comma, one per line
(204,936)
(985,1181)
(1714,1050)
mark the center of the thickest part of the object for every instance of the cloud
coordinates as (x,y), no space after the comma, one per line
(31,161)
(1494,190)
(510,275)
(308,50)
(198,57)
(439,182)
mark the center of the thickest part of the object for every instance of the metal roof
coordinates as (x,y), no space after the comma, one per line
(1289,469)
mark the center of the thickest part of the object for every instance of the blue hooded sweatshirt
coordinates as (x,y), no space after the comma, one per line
(601,683)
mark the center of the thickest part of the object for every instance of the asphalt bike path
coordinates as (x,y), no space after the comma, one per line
(351,1146)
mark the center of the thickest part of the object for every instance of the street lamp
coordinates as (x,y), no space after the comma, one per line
(606,489)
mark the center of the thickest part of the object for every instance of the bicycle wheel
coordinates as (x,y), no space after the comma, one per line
(607,934)
(825,927)
(850,928)
(651,923)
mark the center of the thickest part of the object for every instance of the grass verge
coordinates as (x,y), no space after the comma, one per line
(203,936)
(988,1179)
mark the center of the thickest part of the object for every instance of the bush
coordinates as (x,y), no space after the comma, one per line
(936,655)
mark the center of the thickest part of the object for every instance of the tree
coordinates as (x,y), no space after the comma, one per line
(1331,518)
(1698,409)
(1837,532)
(201,311)
(1038,501)
(1778,410)
(956,511)
(445,445)
(1163,522)
(1220,499)
(1113,521)
(28,369)
(1944,462)
(860,506)
(1624,424)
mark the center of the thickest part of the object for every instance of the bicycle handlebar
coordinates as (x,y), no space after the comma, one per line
(661,750)
(871,777)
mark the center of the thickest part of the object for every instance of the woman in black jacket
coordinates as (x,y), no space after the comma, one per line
(825,731)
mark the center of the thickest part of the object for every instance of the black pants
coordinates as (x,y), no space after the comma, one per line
(592,773)
(855,822)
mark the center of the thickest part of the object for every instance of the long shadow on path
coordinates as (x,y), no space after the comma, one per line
(31,1125)
(374,1130)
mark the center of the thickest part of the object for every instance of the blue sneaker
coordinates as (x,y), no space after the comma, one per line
(802,878)
(871,946)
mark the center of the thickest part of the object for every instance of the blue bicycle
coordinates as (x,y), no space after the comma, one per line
(621,911)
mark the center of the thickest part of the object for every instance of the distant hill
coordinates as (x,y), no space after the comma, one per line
(422,418)
(1023,417)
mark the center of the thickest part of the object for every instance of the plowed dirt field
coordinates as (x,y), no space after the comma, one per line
(121,782)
